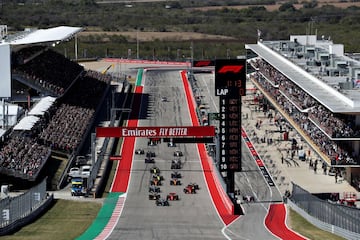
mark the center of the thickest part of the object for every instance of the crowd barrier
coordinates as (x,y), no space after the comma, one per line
(20,210)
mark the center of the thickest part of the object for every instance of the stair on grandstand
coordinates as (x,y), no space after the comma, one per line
(56,166)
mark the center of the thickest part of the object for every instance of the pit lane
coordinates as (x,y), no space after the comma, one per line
(250,181)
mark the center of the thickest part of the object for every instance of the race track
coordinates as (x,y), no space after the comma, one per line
(193,216)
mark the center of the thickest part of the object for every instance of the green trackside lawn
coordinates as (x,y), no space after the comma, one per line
(65,220)
(305,228)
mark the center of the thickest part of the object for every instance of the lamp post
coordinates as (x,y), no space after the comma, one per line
(191,58)
(137,43)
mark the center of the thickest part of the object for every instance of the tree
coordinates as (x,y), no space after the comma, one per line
(288,6)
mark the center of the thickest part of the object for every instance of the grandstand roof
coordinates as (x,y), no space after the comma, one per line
(344,101)
(26,123)
(42,106)
(32,36)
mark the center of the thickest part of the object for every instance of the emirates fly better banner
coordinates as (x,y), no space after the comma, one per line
(148,132)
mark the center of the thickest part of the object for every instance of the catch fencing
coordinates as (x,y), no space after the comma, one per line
(19,207)
(333,214)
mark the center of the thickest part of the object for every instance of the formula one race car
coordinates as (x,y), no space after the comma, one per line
(139,151)
(162,202)
(155,182)
(196,186)
(175,182)
(178,153)
(176,174)
(154,196)
(155,170)
(189,189)
(150,154)
(149,160)
(171,144)
(158,177)
(248,198)
(172,197)
(152,143)
(176,164)
(154,189)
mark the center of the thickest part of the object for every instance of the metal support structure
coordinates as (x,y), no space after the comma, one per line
(137,44)
(93,148)
(191,59)
(76,47)
(112,110)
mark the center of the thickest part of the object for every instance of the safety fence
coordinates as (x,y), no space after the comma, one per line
(331,213)
(15,209)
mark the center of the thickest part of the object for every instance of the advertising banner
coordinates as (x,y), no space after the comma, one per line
(151,132)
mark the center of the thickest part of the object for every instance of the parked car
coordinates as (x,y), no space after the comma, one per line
(85,170)
(74,172)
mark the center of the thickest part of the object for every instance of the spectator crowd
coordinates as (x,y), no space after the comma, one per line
(64,125)
(47,69)
(321,125)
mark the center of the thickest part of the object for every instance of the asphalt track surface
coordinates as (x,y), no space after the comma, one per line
(194,215)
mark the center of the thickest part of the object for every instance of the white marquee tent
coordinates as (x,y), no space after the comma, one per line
(42,106)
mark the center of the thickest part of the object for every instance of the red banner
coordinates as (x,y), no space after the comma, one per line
(149,132)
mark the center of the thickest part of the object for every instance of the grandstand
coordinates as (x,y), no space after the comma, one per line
(315,87)
(59,99)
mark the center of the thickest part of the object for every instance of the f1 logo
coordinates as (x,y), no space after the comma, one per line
(230,69)
(202,63)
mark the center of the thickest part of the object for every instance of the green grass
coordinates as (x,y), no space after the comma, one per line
(65,220)
(305,228)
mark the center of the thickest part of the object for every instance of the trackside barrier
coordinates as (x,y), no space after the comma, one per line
(146,61)
(322,225)
(333,217)
(20,210)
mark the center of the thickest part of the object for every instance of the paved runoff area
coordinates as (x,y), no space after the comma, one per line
(283,163)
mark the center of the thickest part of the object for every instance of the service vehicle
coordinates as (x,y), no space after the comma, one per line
(175,182)
(162,202)
(172,196)
(85,170)
(77,186)
(74,172)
